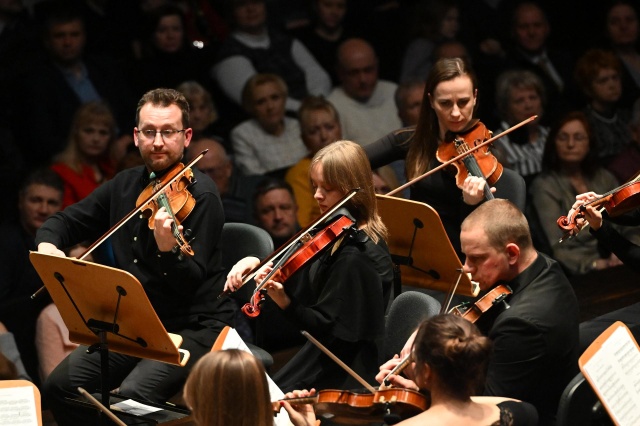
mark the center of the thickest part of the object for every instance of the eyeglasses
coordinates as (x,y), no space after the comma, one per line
(167,134)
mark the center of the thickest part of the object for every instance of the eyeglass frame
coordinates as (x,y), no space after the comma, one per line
(162,135)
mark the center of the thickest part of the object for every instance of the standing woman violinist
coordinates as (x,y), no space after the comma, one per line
(181,288)
(449,102)
(340,298)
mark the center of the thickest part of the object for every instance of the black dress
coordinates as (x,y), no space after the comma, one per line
(340,299)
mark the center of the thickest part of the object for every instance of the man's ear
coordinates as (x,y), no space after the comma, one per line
(513,253)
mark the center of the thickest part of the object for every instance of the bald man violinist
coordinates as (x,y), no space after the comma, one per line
(535,334)
(182,289)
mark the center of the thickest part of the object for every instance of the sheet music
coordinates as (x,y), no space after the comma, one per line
(234,341)
(18,407)
(614,371)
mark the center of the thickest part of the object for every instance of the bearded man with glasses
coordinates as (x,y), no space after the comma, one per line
(182,289)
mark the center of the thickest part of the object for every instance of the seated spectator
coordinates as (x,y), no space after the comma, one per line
(269,142)
(40,196)
(408,99)
(69,78)
(275,209)
(86,163)
(253,47)
(236,189)
(627,164)
(11,367)
(520,94)
(203,114)
(320,126)
(325,34)
(204,24)
(598,75)
(167,57)
(434,21)
(365,103)
(622,33)
(570,167)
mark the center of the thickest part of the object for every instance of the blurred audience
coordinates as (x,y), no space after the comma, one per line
(275,209)
(270,141)
(203,114)
(320,126)
(626,165)
(598,75)
(86,161)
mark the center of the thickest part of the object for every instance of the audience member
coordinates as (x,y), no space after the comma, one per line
(167,57)
(275,209)
(236,190)
(530,50)
(535,335)
(408,98)
(69,79)
(340,296)
(598,75)
(626,165)
(365,103)
(622,31)
(204,24)
(40,196)
(320,126)
(253,48)
(326,33)
(86,162)
(520,94)
(570,167)
(270,141)
(451,358)
(434,21)
(203,114)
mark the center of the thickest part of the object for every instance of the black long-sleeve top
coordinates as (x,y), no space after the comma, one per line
(182,291)
(627,252)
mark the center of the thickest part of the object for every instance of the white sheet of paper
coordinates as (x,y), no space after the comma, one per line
(615,372)
(18,407)
(234,341)
(135,408)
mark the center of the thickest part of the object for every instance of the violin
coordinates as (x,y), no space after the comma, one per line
(473,312)
(349,407)
(458,157)
(616,202)
(306,249)
(481,162)
(175,198)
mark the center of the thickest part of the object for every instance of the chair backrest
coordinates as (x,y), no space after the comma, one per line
(9,390)
(579,405)
(239,240)
(407,311)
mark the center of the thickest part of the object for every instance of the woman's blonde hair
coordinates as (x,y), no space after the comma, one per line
(229,388)
(345,166)
(89,113)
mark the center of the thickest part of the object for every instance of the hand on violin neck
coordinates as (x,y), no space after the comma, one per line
(163,230)
(235,277)
(275,290)
(395,380)
(473,190)
(300,414)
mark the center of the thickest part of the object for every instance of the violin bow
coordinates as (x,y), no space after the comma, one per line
(294,240)
(125,219)
(459,157)
(338,361)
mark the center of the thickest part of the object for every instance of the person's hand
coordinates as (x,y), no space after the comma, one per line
(163,230)
(274,288)
(614,261)
(241,268)
(48,248)
(3,329)
(592,214)
(395,379)
(300,414)
(473,190)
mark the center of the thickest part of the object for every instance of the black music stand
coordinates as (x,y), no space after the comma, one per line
(106,309)
(420,247)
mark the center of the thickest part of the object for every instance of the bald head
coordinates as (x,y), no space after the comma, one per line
(215,163)
(357,68)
